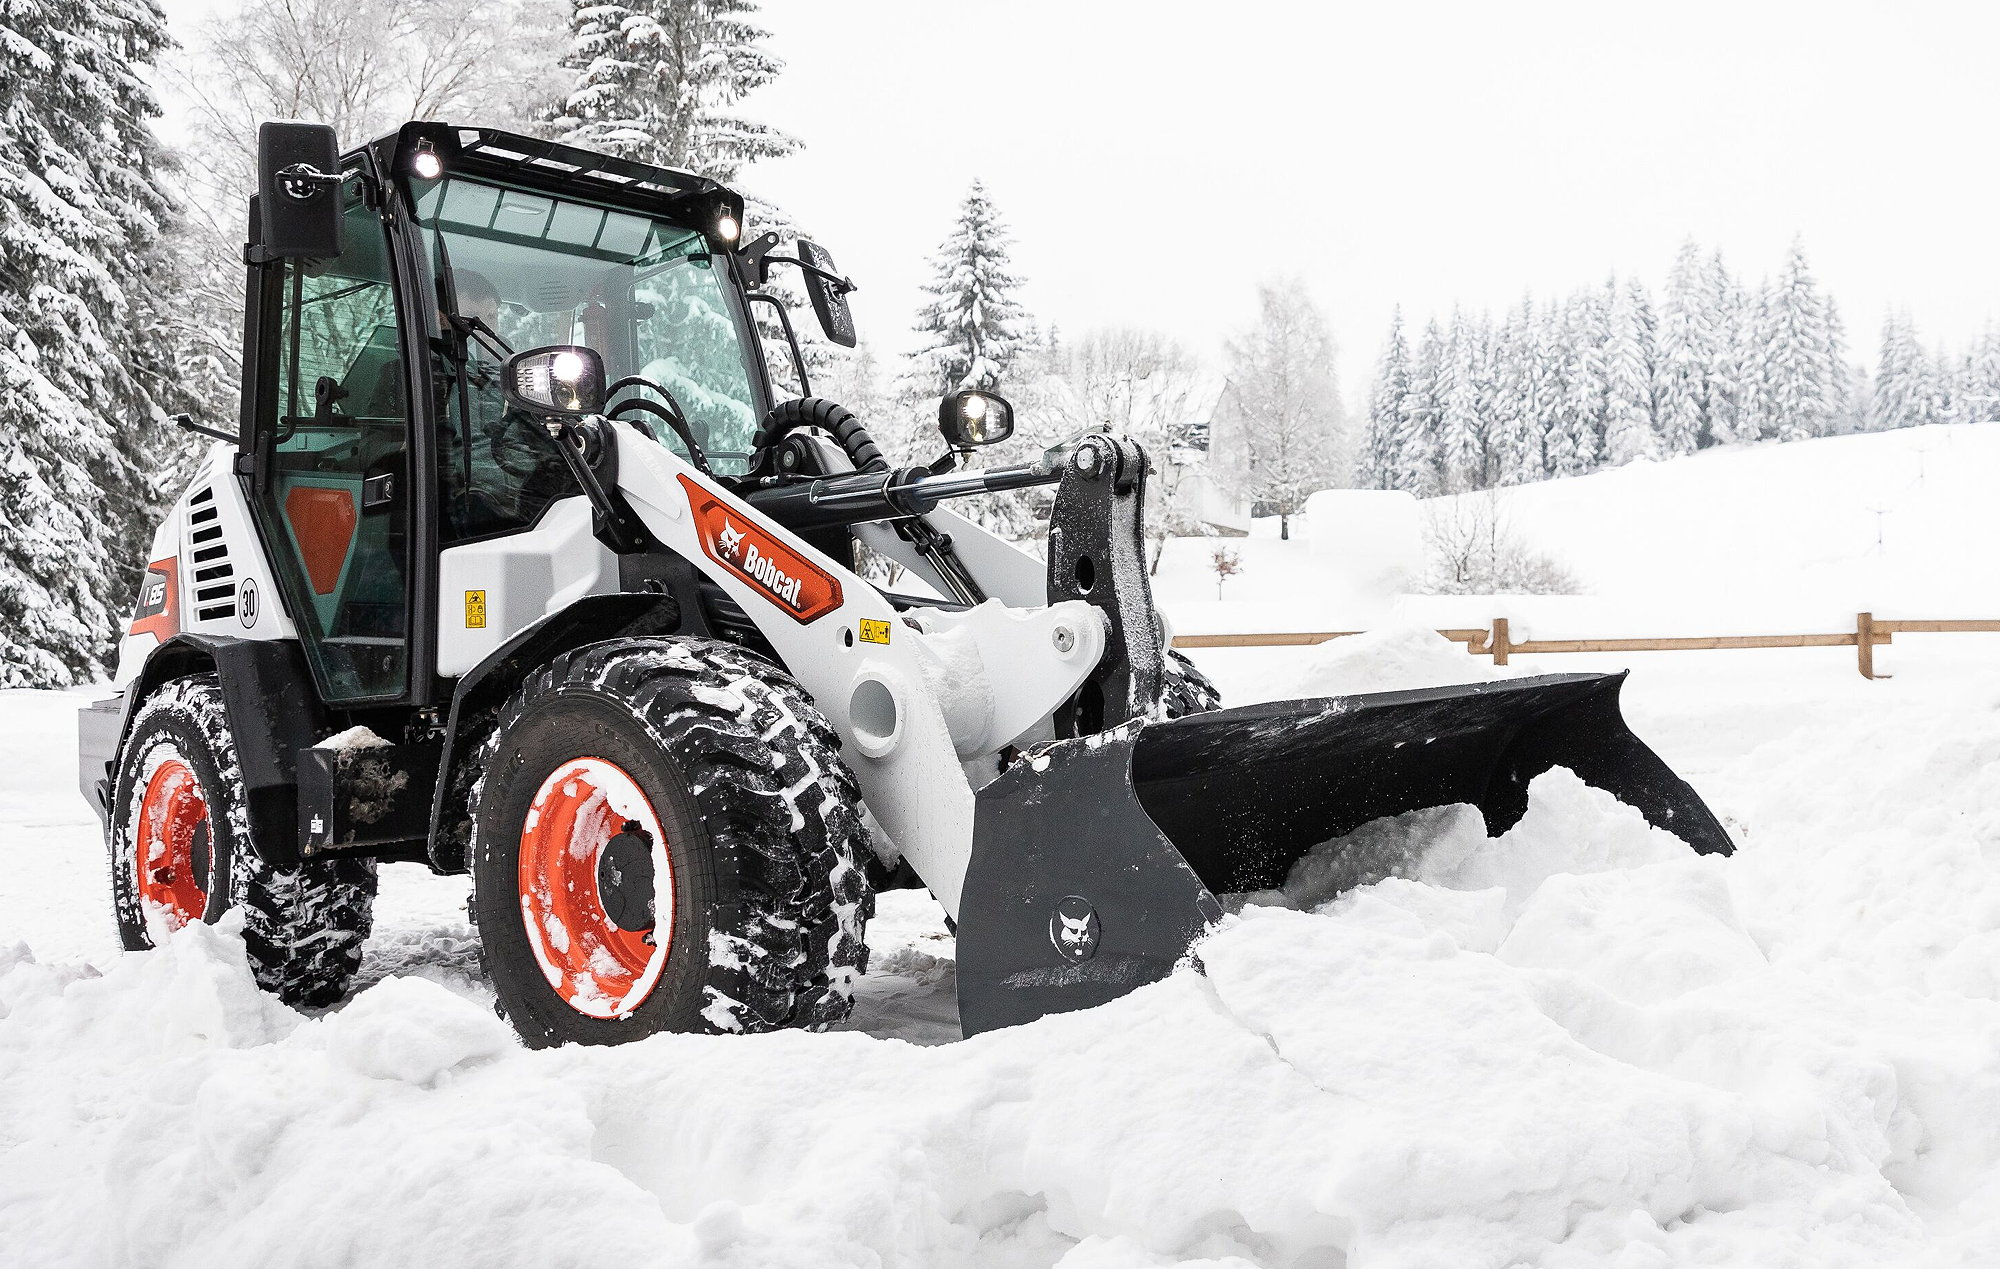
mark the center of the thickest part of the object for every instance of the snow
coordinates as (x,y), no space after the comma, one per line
(1752,539)
(354,740)
(1371,539)
(1579,1044)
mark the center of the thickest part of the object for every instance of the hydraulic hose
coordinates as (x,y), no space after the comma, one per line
(829,416)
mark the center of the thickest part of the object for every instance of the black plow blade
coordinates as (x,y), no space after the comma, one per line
(1095,865)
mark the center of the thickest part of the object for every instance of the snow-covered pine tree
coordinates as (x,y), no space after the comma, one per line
(972,327)
(81,210)
(1983,382)
(1804,368)
(1379,453)
(1419,430)
(1462,423)
(974,333)
(1547,373)
(1630,431)
(659,81)
(1753,405)
(1576,438)
(1902,391)
(1732,362)
(1517,444)
(1680,377)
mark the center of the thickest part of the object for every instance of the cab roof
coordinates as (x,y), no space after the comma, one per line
(562,170)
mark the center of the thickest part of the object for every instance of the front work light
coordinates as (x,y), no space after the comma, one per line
(563,379)
(426,163)
(726,227)
(969,417)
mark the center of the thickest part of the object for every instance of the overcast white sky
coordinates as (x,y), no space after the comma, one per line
(1156,159)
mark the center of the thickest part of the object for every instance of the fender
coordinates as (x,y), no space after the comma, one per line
(274,711)
(483,688)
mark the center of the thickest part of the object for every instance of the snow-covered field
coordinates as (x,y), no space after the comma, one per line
(1764,539)
(1579,1045)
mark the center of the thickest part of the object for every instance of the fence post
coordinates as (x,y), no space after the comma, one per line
(1864,642)
(1499,641)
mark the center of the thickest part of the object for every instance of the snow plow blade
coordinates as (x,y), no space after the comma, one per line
(1097,864)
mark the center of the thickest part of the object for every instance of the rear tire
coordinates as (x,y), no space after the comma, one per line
(726,759)
(178,809)
(1186,690)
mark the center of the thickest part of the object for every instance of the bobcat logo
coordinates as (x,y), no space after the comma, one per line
(730,540)
(1074,929)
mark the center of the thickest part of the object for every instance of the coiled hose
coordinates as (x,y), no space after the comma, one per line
(829,416)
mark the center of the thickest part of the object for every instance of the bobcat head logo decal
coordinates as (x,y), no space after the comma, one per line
(1074,929)
(730,540)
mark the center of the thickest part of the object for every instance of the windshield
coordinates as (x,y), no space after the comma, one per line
(644,293)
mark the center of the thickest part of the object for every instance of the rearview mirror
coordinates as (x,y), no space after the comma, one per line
(970,417)
(298,190)
(829,298)
(562,379)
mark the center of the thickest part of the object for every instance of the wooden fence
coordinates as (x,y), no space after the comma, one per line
(1868,634)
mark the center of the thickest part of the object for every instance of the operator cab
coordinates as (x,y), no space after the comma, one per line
(390,286)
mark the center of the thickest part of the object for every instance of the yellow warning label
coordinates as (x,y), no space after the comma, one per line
(874,631)
(475,610)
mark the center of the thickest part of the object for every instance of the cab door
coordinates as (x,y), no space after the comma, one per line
(333,486)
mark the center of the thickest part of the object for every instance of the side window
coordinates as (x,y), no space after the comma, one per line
(338,465)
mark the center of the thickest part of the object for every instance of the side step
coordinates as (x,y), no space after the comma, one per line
(365,799)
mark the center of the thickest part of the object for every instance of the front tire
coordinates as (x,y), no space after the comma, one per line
(665,838)
(180,852)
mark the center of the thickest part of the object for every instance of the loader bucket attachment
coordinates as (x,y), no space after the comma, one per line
(1097,864)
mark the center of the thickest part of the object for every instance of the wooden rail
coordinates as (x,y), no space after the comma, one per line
(1497,642)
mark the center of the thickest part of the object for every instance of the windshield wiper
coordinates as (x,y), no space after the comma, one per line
(470,326)
(462,326)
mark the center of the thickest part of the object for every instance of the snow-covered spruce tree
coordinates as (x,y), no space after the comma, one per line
(1686,333)
(659,81)
(1420,431)
(81,211)
(1982,395)
(1287,404)
(972,328)
(974,333)
(1379,456)
(1517,443)
(1547,383)
(1902,389)
(1461,402)
(1576,433)
(1630,430)
(1732,366)
(1805,372)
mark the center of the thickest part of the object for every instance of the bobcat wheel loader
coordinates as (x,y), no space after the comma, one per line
(514,566)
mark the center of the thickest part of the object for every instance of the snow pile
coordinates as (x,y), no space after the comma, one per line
(1577,1044)
(1393,658)
(1569,828)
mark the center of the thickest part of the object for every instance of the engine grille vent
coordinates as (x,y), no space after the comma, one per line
(214,578)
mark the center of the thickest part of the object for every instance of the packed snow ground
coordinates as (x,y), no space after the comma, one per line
(1590,1047)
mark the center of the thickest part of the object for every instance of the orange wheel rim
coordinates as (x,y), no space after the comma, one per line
(174,851)
(582,895)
